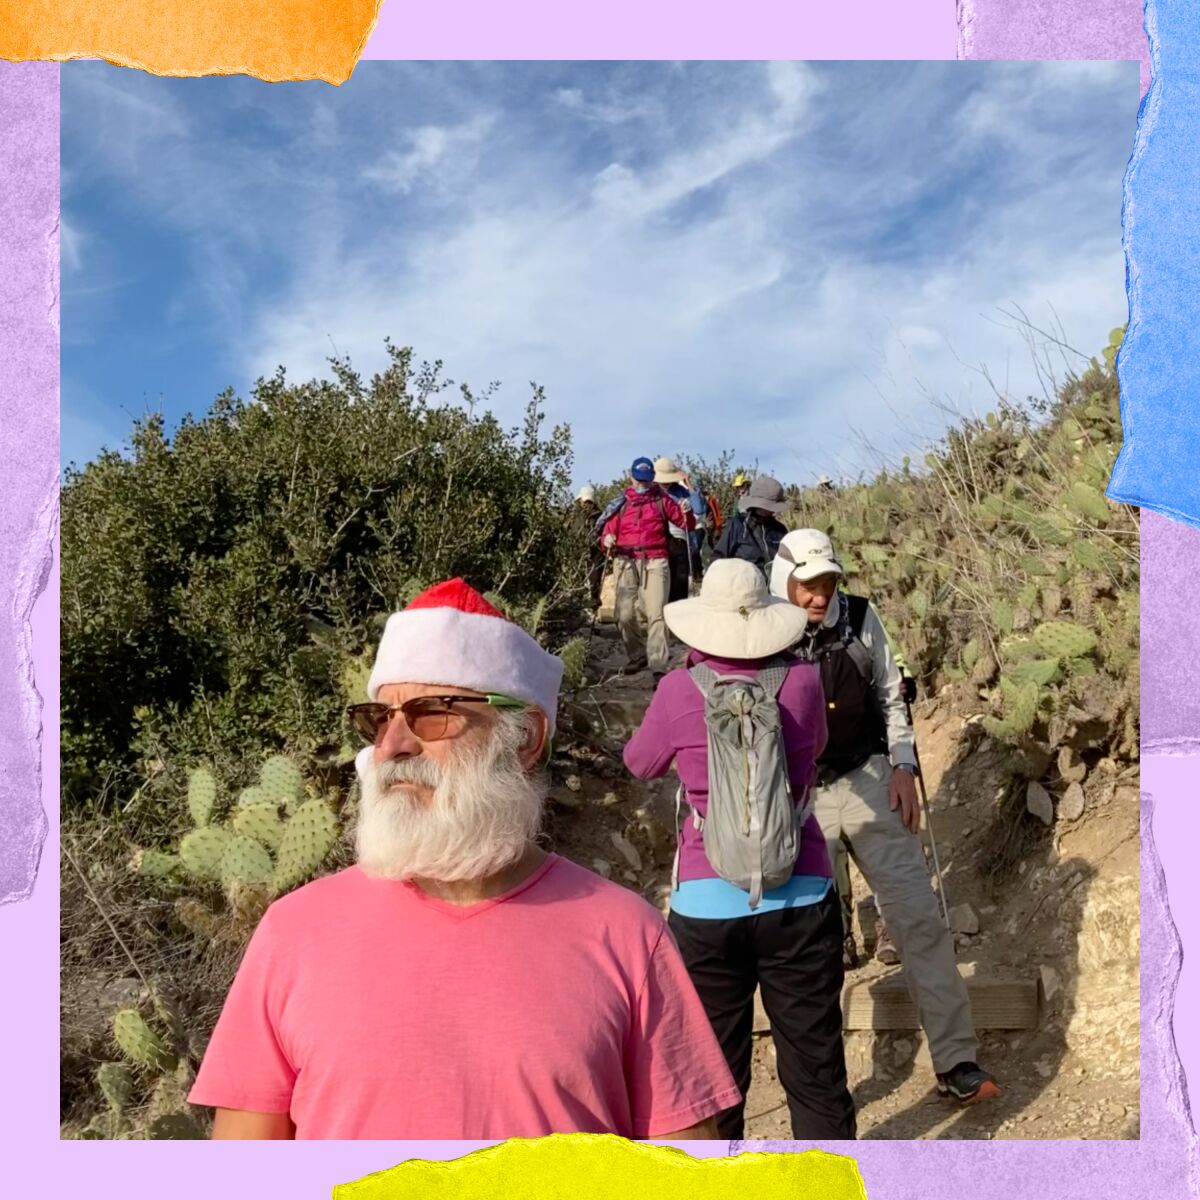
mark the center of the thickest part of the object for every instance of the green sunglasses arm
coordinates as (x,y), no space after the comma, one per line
(496,700)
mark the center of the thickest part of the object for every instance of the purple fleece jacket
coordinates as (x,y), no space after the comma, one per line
(673,728)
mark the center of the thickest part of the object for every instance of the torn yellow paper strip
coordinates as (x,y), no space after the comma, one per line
(271,39)
(580,1166)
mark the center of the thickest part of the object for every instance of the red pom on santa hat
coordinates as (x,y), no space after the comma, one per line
(454,593)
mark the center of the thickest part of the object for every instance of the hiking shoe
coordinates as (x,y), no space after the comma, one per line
(849,953)
(967,1082)
(885,948)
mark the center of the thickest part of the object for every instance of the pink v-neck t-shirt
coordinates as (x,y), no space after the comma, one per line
(366,1008)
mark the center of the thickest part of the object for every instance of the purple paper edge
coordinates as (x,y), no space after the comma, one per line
(1164,986)
(20,247)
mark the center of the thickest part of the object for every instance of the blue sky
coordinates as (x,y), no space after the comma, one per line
(807,264)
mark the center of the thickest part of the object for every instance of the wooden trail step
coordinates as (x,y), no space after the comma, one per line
(884,1004)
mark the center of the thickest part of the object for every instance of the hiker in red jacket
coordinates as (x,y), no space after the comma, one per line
(638,537)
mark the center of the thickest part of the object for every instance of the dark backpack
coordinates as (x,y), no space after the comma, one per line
(856,724)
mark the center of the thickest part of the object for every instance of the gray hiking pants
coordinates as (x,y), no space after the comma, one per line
(647,580)
(854,810)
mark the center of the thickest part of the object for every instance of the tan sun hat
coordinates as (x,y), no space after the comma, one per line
(665,471)
(735,616)
(805,554)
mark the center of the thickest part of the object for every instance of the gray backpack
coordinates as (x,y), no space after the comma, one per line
(752,830)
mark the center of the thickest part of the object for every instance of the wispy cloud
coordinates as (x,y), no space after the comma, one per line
(767,257)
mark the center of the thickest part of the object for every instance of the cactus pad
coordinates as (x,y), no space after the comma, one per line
(201,850)
(116,1085)
(139,1043)
(261,822)
(307,840)
(1020,710)
(1064,639)
(281,782)
(202,796)
(180,1126)
(197,917)
(245,860)
(154,864)
(253,795)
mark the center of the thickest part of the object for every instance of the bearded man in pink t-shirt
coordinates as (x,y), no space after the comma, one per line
(459,981)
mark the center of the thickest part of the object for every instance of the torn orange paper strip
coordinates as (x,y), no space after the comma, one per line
(580,1166)
(270,39)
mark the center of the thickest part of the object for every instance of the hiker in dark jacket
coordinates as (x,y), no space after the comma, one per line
(588,514)
(753,532)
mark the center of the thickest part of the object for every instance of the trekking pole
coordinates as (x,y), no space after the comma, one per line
(928,818)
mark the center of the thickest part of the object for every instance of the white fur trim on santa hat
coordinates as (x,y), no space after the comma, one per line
(451,648)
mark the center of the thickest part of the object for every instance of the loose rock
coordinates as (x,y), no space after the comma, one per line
(602,868)
(1050,982)
(627,850)
(1070,807)
(963,919)
(1037,801)
(1070,766)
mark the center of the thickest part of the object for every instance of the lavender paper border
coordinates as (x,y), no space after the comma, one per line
(769,28)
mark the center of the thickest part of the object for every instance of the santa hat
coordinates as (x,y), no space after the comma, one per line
(451,636)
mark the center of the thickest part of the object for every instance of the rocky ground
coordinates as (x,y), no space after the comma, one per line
(1056,902)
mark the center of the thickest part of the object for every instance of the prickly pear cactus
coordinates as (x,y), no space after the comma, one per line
(202,796)
(261,822)
(1020,710)
(574,659)
(307,840)
(245,861)
(251,796)
(281,783)
(139,1043)
(196,917)
(248,901)
(201,850)
(154,864)
(1064,639)
(176,1127)
(116,1085)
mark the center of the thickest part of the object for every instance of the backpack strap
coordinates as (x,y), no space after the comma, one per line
(855,616)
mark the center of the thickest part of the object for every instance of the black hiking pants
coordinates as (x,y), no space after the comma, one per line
(795,956)
(677,559)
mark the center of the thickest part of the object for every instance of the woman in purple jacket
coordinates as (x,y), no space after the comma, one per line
(790,945)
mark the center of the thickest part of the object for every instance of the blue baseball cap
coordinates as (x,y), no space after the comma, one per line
(642,470)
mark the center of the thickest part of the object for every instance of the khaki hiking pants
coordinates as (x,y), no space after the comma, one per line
(854,810)
(646,580)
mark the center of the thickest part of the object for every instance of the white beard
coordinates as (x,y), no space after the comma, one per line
(484,812)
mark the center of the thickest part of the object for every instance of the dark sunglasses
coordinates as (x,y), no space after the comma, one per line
(429,718)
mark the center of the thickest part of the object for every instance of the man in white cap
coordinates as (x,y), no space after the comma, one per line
(866,796)
(458,981)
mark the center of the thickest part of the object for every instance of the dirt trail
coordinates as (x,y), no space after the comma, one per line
(1057,903)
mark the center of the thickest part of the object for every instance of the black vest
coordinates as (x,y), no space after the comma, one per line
(857,728)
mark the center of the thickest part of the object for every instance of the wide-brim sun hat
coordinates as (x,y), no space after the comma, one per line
(665,471)
(735,616)
(803,554)
(764,492)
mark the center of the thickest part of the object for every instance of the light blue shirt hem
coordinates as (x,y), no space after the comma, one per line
(720,900)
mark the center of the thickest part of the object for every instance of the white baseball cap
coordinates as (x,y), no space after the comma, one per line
(803,554)
(586,493)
